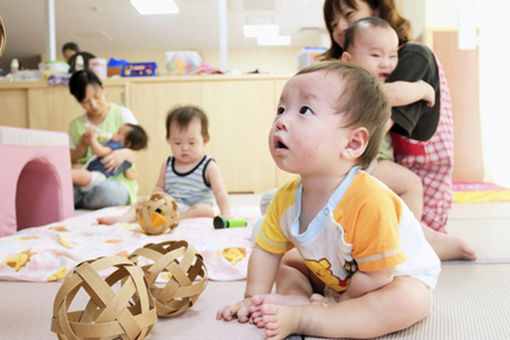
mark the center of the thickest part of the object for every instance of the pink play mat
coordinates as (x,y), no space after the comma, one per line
(478,191)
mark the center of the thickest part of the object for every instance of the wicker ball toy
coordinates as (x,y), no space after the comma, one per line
(120,305)
(158,213)
(183,268)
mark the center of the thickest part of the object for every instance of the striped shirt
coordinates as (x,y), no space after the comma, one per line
(189,188)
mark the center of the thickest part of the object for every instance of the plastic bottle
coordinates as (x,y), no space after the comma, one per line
(14,65)
(80,64)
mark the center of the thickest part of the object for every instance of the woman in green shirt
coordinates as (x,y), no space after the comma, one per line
(105,118)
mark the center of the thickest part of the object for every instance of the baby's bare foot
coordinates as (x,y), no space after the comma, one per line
(276,299)
(109,220)
(280,321)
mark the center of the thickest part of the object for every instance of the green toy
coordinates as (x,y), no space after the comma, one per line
(222,223)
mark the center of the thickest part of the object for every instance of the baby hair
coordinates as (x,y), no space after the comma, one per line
(183,115)
(350,32)
(79,81)
(363,102)
(137,137)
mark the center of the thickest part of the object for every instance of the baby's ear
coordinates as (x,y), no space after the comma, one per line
(346,56)
(357,143)
(206,139)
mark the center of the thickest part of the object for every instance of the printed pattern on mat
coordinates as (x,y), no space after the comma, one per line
(432,161)
(48,253)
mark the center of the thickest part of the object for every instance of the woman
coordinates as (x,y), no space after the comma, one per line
(422,135)
(105,118)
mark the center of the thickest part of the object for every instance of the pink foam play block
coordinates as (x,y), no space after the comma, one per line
(35,178)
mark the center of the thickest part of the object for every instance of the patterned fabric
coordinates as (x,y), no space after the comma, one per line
(189,188)
(432,161)
(364,226)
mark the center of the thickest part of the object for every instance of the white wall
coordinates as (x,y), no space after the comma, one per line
(494,89)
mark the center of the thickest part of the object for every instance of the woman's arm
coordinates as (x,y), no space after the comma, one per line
(213,176)
(417,120)
(364,282)
(401,93)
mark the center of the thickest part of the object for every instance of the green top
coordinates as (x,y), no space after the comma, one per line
(117,115)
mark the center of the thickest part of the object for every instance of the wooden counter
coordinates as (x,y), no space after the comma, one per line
(240,110)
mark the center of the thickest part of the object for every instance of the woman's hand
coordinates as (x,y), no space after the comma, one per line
(112,161)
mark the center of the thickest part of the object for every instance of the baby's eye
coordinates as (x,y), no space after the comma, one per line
(280,111)
(375,55)
(305,110)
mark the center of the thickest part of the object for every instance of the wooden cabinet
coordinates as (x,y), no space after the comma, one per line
(13,107)
(240,110)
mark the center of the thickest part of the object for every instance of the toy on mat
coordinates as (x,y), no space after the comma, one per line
(182,269)
(222,223)
(120,305)
(158,213)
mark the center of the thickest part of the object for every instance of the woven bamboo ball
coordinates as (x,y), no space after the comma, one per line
(119,305)
(158,213)
(182,269)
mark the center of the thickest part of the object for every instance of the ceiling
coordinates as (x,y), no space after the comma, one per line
(114,25)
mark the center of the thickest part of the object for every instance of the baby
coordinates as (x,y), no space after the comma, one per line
(373,44)
(87,176)
(356,262)
(189,176)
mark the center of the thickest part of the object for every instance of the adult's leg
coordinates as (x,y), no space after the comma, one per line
(408,186)
(402,182)
(394,307)
(106,194)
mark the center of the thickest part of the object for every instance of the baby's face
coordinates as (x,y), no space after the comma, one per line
(122,132)
(375,49)
(187,143)
(308,131)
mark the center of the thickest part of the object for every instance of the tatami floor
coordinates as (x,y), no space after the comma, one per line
(471,301)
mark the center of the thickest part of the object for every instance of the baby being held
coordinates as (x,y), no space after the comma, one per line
(129,136)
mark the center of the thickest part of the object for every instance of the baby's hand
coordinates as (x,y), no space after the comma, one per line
(93,134)
(430,94)
(239,310)
(86,137)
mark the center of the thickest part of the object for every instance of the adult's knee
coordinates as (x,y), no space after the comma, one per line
(106,194)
